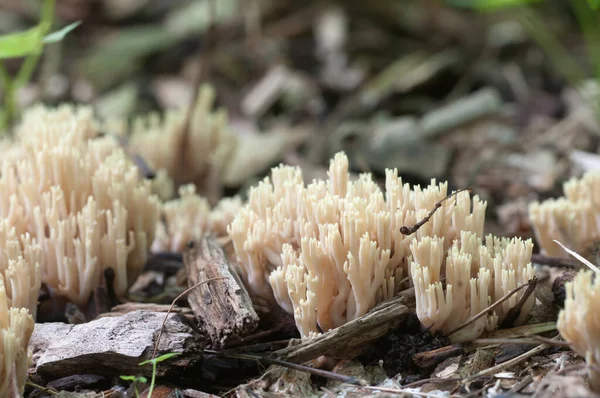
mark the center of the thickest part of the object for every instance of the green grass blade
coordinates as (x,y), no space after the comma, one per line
(60,34)
(20,44)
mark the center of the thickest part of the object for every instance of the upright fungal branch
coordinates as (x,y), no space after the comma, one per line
(20,272)
(579,321)
(573,220)
(16,327)
(329,251)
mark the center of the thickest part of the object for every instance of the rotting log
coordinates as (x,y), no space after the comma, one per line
(114,346)
(223,306)
(352,338)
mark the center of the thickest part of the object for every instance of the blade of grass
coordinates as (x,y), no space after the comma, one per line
(60,34)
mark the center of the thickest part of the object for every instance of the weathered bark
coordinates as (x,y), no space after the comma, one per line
(113,345)
(350,339)
(223,306)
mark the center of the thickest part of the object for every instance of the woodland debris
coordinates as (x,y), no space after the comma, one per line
(113,346)
(223,307)
(481,103)
(350,339)
(431,358)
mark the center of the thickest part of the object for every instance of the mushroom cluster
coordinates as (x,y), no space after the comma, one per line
(579,321)
(20,280)
(573,220)
(195,151)
(81,198)
(328,251)
(476,275)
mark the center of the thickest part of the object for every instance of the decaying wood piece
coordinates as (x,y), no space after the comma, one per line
(113,345)
(429,359)
(222,306)
(350,339)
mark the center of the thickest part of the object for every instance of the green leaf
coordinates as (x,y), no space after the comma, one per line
(140,379)
(594,4)
(161,358)
(15,45)
(60,34)
(491,5)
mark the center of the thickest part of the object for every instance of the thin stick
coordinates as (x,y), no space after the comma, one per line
(493,306)
(509,363)
(173,304)
(41,388)
(409,230)
(533,340)
(514,312)
(302,368)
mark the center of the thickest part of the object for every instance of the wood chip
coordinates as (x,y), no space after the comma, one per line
(113,346)
(223,307)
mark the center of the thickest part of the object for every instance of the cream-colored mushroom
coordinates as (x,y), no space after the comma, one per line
(344,235)
(579,321)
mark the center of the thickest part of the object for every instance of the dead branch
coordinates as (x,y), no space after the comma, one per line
(350,339)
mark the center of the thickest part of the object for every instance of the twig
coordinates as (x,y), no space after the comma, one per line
(509,363)
(533,340)
(41,388)
(302,368)
(409,230)
(521,385)
(493,306)
(514,312)
(579,257)
(173,304)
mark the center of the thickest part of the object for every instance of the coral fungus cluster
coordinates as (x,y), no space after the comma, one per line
(579,321)
(73,203)
(476,275)
(329,251)
(20,278)
(574,220)
(82,200)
